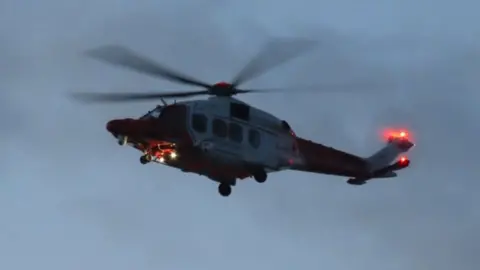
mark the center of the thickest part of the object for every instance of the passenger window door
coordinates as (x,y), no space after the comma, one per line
(254,138)
(199,123)
(235,132)
(219,128)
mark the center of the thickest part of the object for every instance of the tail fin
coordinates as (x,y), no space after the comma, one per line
(385,156)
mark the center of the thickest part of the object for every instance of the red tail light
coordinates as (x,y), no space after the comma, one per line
(403,162)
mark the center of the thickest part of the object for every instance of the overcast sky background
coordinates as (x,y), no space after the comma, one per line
(71,198)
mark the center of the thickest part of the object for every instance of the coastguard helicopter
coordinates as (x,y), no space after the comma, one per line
(226,139)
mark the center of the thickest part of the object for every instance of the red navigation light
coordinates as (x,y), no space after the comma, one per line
(389,135)
(404,162)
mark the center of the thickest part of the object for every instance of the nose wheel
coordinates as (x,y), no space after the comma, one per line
(224,189)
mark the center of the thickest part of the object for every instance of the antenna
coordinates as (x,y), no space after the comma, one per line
(164,102)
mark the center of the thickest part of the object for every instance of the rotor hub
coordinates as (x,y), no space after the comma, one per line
(222,89)
(222,85)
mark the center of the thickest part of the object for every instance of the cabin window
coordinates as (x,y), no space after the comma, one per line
(235,132)
(254,138)
(219,128)
(199,123)
(240,111)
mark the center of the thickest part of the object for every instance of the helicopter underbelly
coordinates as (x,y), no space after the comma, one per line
(233,155)
(222,153)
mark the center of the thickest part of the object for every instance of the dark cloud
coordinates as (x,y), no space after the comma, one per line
(70,198)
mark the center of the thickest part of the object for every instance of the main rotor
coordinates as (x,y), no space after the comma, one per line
(274,53)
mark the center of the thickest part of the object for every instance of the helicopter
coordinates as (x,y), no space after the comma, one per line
(226,139)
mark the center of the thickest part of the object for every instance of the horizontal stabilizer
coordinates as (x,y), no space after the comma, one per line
(388,154)
(382,164)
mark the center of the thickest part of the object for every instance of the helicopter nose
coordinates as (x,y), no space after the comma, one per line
(113,126)
(132,127)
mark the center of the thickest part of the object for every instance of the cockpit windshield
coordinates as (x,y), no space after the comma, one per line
(155,113)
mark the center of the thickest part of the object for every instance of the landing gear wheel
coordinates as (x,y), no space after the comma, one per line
(356,182)
(224,189)
(260,176)
(144,159)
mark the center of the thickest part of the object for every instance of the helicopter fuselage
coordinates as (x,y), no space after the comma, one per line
(222,138)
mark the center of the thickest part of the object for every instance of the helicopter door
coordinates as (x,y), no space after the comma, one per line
(198,127)
(253,146)
(260,145)
(174,119)
(254,138)
(227,138)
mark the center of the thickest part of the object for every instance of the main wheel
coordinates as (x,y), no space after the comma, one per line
(260,176)
(224,189)
(144,159)
(356,182)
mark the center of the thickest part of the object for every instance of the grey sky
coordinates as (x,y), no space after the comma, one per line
(70,198)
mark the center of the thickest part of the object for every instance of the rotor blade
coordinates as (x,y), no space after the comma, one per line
(120,56)
(356,88)
(273,54)
(124,97)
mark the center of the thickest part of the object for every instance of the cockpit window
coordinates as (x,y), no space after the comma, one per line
(155,113)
